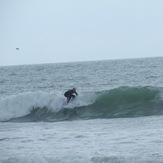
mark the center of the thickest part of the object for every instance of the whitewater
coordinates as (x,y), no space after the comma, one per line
(116,118)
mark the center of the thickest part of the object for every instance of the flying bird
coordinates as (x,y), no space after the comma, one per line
(17,48)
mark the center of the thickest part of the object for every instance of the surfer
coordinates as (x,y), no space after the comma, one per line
(70,94)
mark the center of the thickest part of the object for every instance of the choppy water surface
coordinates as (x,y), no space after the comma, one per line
(116,118)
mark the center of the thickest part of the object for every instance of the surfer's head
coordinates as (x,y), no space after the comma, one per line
(74,89)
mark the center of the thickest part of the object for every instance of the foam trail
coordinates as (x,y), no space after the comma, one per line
(22,104)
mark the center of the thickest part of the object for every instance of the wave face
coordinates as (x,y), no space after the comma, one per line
(129,102)
(116,103)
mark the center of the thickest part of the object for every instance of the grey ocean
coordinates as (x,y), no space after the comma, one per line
(116,118)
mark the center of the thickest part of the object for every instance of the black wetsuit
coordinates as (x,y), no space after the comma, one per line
(69,95)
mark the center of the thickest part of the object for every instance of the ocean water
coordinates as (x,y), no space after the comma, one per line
(116,118)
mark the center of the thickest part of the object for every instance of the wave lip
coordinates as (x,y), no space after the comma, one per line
(115,103)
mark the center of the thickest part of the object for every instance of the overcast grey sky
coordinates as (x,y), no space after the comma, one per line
(49,31)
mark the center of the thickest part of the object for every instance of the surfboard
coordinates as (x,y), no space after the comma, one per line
(67,107)
(70,105)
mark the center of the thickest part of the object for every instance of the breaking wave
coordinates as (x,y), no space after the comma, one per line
(115,103)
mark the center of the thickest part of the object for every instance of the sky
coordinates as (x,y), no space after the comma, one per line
(51,31)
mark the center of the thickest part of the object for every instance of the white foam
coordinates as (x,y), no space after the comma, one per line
(22,104)
(119,140)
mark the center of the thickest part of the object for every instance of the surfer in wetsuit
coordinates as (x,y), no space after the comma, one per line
(70,94)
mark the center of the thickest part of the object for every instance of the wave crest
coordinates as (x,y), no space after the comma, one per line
(116,103)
